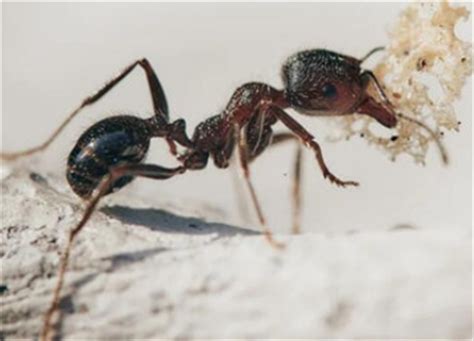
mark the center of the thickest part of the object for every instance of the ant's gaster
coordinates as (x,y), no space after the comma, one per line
(110,154)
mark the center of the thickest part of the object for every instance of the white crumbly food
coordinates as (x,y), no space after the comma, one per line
(422,73)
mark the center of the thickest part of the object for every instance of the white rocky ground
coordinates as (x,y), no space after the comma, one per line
(164,270)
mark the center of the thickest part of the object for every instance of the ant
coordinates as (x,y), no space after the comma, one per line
(110,154)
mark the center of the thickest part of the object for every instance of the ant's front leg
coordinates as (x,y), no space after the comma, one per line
(309,141)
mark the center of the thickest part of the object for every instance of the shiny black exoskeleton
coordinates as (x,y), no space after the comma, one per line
(109,143)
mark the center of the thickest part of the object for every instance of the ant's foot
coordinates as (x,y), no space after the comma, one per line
(296,229)
(338,182)
(273,242)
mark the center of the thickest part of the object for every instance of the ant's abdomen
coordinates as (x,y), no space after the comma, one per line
(114,141)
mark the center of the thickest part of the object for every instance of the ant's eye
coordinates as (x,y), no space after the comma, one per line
(329,90)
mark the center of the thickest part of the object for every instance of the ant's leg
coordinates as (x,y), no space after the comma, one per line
(142,170)
(238,190)
(243,157)
(297,176)
(367,77)
(309,141)
(280,138)
(158,97)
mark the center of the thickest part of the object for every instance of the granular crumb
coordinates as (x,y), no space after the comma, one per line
(424,54)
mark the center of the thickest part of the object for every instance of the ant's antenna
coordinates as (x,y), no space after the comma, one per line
(388,104)
(439,144)
(371,52)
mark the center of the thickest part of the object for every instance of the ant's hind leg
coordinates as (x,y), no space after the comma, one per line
(309,141)
(160,105)
(141,170)
(243,158)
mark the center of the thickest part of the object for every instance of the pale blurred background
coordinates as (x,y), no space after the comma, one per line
(56,54)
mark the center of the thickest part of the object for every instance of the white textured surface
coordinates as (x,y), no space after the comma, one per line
(159,270)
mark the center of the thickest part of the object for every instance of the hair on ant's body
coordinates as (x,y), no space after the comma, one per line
(111,153)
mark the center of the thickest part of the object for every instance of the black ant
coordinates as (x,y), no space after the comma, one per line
(110,154)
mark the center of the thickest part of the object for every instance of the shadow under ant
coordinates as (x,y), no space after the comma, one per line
(155,220)
(117,261)
(165,221)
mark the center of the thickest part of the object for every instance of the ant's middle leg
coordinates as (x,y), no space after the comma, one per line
(297,176)
(278,139)
(297,195)
(139,170)
(243,158)
(160,105)
(309,141)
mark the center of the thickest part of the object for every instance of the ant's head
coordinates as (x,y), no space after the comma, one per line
(321,82)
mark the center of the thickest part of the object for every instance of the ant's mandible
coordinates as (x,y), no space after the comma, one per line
(110,154)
